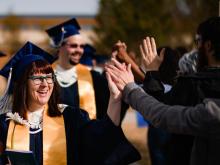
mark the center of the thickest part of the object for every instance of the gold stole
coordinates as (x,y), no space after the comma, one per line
(86,90)
(54,139)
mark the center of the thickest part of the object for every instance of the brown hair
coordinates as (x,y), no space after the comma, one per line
(20,90)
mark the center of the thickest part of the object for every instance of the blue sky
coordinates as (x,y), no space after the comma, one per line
(49,7)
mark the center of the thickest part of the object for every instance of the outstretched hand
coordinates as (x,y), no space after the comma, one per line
(114,91)
(120,51)
(150,60)
(119,73)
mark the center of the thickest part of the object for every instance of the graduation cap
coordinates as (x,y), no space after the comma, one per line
(59,32)
(16,66)
(88,55)
(101,59)
(26,55)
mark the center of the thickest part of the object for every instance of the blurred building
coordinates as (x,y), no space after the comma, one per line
(23,28)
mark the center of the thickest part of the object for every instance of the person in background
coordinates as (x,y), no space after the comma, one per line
(95,62)
(120,53)
(201,121)
(189,90)
(80,87)
(187,63)
(88,56)
(158,139)
(192,89)
(56,133)
(99,63)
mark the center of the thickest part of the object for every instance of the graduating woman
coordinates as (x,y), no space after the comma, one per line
(56,134)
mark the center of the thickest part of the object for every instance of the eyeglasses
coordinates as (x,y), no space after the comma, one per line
(40,79)
(75,45)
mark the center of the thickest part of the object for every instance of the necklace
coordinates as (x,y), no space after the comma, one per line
(34,122)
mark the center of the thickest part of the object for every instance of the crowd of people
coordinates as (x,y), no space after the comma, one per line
(65,112)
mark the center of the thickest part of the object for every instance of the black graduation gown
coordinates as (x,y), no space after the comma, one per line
(95,142)
(70,95)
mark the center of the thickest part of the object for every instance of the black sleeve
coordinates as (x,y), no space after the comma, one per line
(102,95)
(185,92)
(153,85)
(104,143)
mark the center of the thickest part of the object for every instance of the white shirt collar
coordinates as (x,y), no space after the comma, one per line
(65,77)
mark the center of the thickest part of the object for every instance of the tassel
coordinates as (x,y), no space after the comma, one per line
(57,45)
(5,100)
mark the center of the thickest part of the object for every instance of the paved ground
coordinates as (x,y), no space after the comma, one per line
(137,135)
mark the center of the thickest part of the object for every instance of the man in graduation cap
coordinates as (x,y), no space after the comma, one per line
(80,87)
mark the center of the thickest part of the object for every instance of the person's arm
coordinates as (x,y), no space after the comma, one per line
(150,64)
(102,136)
(114,106)
(122,55)
(176,119)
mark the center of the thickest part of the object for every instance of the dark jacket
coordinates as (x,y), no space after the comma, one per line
(189,90)
(201,121)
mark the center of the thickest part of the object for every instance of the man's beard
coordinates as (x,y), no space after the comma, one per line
(73,63)
(202,59)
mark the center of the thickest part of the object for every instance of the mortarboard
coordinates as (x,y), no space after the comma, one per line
(61,31)
(88,55)
(101,59)
(16,66)
(26,55)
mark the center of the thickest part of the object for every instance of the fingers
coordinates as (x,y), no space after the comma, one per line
(154,47)
(114,80)
(145,47)
(142,52)
(148,50)
(149,47)
(112,74)
(114,54)
(118,64)
(113,71)
(113,86)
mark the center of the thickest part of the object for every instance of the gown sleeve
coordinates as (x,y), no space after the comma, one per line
(101,142)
